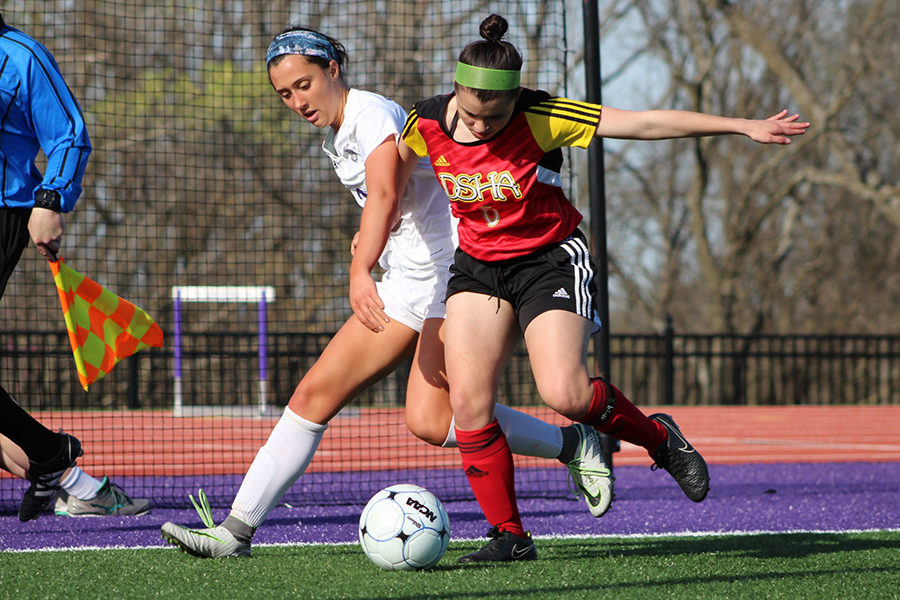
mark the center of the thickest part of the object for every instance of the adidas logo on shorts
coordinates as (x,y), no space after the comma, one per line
(561,293)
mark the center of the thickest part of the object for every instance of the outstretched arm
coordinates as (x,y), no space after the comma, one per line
(667,124)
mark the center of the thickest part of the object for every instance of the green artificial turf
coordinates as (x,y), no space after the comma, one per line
(801,565)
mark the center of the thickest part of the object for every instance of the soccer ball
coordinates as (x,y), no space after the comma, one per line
(404,527)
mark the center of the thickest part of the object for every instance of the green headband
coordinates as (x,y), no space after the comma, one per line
(480,78)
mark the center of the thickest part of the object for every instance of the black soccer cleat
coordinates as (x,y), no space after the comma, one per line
(503,547)
(45,478)
(678,457)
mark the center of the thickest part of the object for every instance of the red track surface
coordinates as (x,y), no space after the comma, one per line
(158,443)
(741,434)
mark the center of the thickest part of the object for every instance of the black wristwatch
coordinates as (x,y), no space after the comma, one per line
(47,199)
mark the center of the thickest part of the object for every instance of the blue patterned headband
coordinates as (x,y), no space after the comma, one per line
(305,43)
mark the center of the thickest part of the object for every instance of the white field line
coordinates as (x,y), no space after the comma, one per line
(692,534)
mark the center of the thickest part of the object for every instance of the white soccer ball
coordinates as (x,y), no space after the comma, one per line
(404,527)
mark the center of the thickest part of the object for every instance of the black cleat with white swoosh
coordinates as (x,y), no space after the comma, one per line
(503,547)
(678,457)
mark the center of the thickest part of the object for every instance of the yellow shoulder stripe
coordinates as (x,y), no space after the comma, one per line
(560,122)
(411,135)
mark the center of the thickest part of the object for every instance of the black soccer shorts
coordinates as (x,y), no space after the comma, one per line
(14,238)
(558,277)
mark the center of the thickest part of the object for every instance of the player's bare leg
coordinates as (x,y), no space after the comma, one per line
(558,364)
(428,412)
(12,458)
(480,343)
(330,384)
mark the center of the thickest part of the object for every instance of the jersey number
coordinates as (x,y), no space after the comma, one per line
(491,216)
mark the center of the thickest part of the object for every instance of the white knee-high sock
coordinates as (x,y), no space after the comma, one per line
(79,484)
(278,464)
(526,435)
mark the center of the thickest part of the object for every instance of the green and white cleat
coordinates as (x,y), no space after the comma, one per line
(592,478)
(212,542)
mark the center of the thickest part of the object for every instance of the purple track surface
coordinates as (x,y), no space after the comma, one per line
(743,498)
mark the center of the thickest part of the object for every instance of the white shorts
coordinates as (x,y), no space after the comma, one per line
(412,295)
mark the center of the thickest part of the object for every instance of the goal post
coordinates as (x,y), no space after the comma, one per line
(260,295)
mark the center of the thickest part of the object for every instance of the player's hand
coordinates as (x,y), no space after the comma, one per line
(777,129)
(46,228)
(353,244)
(365,302)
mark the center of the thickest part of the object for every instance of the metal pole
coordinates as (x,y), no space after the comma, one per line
(133,381)
(669,362)
(179,401)
(597,194)
(597,199)
(263,350)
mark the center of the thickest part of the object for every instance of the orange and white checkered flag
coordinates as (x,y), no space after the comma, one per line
(103,328)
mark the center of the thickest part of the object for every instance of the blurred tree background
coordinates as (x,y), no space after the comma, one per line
(199,174)
(728,236)
(723,234)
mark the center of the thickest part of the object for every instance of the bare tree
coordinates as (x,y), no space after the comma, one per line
(729,236)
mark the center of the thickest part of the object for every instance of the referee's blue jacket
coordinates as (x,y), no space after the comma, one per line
(37,112)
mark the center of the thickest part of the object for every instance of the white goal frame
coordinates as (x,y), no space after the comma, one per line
(261,295)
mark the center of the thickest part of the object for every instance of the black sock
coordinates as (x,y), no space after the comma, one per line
(38,442)
(571,441)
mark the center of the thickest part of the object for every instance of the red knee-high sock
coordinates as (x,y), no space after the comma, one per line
(488,465)
(611,412)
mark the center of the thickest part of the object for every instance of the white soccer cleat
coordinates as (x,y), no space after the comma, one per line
(214,542)
(593,479)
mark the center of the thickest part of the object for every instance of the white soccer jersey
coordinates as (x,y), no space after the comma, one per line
(426,234)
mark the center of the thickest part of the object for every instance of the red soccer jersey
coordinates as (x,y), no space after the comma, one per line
(506,190)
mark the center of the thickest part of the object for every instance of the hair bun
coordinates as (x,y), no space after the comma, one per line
(493,28)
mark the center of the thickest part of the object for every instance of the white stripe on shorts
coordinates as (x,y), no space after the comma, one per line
(581,265)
